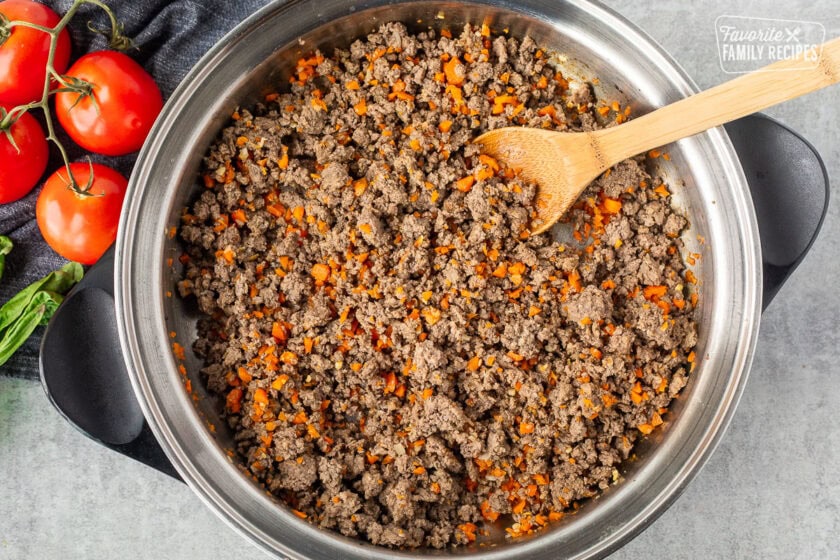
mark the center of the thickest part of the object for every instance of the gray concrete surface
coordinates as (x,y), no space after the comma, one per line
(769,492)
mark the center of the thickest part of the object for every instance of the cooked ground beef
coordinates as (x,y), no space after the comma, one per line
(401,361)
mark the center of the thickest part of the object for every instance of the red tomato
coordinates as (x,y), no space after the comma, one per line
(128,102)
(81,228)
(20,170)
(23,57)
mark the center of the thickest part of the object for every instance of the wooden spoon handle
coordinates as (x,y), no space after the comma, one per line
(731,100)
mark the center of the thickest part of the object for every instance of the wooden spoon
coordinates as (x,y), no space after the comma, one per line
(562,164)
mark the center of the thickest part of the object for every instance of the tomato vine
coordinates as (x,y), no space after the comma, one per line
(117,41)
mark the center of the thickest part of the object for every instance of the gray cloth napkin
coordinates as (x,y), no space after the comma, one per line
(170,36)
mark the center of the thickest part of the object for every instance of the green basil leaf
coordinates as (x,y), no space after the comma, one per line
(39,310)
(5,248)
(59,282)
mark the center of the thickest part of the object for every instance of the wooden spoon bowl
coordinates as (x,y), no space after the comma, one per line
(563,164)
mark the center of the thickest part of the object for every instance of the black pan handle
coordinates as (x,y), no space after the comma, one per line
(789,186)
(83,371)
(84,374)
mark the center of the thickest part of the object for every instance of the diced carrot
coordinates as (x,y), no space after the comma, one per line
(483,174)
(489,162)
(555,515)
(283,162)
(359,186)
(487,511)
(361,107)
(656,420)
(465,184)
(228,255)
(321,272)
(238,216)
(390,382)
(456,93)
(298,212)
(516,268)
(277,210)
(450,69)
(279,332)
(574,280)
(278,383)
(219,225)
(612,205)
(469,531)
(474,363)
(541,479)
(653,292)
(234,400)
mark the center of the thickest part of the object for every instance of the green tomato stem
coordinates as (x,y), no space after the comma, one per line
(30,25)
